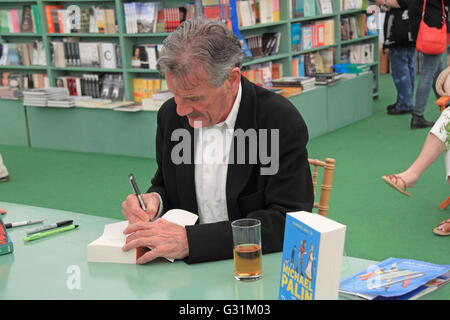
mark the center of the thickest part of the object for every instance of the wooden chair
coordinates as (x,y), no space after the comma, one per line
(327,180)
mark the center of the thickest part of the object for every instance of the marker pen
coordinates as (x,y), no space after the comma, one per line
(22,223)
(49,226)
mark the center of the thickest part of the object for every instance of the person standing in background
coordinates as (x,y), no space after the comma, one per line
(402,46)
(432,64)
(4,175)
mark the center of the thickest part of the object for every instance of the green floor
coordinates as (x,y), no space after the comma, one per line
(381,223)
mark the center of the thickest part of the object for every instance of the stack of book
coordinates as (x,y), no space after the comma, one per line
(10,93)
(327,79)
(310,8)
(263,45)
(395,279)
(40,97)
(306,83)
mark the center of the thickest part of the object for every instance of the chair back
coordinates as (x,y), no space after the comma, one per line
(326,185)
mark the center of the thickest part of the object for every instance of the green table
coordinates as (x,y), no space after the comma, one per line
(56,268)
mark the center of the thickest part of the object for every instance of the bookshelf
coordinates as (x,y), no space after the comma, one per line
(38,128)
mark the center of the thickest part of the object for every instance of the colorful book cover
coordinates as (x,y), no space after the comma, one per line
(6,246)
(392,277)
(311,259)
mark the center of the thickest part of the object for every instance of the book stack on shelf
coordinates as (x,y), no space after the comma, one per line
(40,97)
(328,79)
(12,84)
(22,54)
(294,85)
(76,20)
(26,19)
(86,54)
(395,279)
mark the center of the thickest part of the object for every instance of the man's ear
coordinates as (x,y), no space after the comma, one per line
(234,77)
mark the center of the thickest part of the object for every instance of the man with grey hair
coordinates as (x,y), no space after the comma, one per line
(221,117)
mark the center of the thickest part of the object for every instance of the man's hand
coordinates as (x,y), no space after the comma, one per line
(167,239)
(132,211)
(2,211)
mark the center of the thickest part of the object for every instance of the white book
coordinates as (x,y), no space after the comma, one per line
(108,248)
(312,255)
(107,55)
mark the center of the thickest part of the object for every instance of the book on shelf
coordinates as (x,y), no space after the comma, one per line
(324,6)
(353,4)
(12,84)
(309,8)
(73,19)
(262,74)
(26,19)
(108,247)
(263,45)
(145,56)
(305,83)
(395,279)
(353,27)
(297,9)
(358,53)
(22,54)
(311,260)
(71,52)
(105,86)
(146,88)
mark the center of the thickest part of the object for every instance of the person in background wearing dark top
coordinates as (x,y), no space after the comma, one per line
(212,106)
(402,48)
(432,64)
(4,175)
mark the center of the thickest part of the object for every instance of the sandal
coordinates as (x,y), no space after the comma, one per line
(397,183)
(438,230)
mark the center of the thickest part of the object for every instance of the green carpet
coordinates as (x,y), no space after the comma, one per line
(381,223)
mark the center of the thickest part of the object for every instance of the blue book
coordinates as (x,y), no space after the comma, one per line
(392,277)
(296,34)
(312,255)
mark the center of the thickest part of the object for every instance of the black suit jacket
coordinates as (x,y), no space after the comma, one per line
(249,194)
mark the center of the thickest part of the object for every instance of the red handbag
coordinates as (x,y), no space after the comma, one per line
(432,40)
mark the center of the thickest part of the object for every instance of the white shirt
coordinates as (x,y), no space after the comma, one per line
(212,149)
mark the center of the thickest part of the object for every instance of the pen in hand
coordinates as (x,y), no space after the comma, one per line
(136,191)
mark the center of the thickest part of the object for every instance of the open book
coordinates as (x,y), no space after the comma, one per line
(108,248)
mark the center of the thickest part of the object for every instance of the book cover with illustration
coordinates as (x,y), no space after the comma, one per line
(6,246)
(311,259)
(392,277)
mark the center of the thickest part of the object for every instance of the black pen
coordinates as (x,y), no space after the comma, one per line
(136,191)
(49,226)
